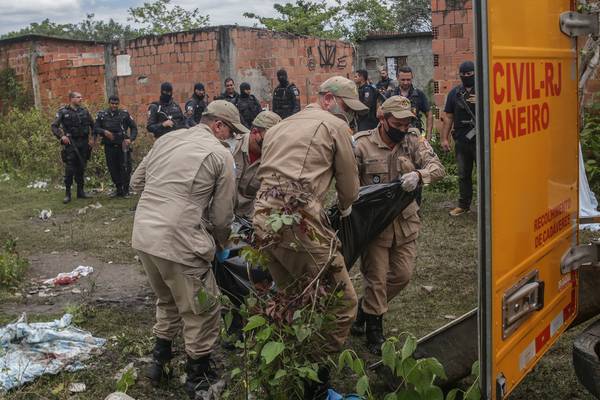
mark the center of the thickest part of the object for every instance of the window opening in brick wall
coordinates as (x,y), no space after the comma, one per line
(436,60)
(393,63)
(371,64)
(435,31)
(436,87)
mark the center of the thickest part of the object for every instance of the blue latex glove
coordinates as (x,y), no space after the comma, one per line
(222,255)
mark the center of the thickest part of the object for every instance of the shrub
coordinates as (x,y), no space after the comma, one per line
(590,146)
(30,151)
(12,265)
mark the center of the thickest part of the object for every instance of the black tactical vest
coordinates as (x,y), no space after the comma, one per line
(284,101)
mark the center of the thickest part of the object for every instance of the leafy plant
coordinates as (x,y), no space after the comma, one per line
(417,377)
(126,380)
(12,93)
(12,265)
(450,182)
(590,146)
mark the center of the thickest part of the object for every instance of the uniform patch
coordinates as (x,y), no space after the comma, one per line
(376,179)
(367,95)
(296,92)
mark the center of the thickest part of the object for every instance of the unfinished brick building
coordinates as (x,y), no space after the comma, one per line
(49,68)
(452,28)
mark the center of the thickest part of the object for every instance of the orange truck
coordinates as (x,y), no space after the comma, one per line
(536,279)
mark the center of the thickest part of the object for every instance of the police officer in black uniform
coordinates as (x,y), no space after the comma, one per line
(385,86)
(118,130)
(418,100)
(286,97)
(72,126)
(367,94)
(229,94)
(164,115)
(248,105)
(459,117)
(196,105)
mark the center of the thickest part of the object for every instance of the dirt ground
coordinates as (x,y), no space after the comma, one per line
(110,283)
(115,302)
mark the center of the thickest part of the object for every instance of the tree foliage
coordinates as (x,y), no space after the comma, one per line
(160,17)
(350,19)
(412,15)
(156,17)
(303,17)
(88,29)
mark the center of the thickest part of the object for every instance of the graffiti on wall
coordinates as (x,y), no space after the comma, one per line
(327,57)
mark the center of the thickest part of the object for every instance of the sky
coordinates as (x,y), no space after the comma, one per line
(15,14)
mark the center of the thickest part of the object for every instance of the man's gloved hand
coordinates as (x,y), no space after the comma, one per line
(222,255)
(410,181)
(346,212)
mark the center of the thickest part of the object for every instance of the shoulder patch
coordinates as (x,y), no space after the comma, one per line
(414,131)
(358,135)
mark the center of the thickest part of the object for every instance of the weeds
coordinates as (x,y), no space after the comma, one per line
(28,149)
(12,265)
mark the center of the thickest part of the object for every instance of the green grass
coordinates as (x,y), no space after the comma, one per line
(446,260)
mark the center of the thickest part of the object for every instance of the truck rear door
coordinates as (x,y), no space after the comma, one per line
(528,199)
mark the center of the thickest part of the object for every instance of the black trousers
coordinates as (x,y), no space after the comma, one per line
(74,157)
(119,165)
(466,158)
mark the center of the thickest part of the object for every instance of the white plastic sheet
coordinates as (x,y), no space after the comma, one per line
(30,350)
(588,203)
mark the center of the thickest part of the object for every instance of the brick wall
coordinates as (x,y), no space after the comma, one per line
(308,61)
(182,59)
(213,54)
(60,67)
(17,57)
(70,66)
(135,69)
(452,25)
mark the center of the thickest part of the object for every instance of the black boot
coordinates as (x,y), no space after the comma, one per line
(374,332)
(117,193)
(200,376)
(159,369)
(358,326)
(67,198)
(81,194)
(318,390)
(125,190)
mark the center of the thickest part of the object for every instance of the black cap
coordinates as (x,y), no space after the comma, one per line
(199,86)
(166,87)
(466,66)
(282,73)
(244,86)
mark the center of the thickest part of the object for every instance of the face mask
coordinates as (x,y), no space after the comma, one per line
(165,98)
(231,143)
(468,81)
(395,134)
(339,112)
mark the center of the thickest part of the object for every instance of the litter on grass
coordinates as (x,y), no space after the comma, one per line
(28,351)
(65,278)
(38,185)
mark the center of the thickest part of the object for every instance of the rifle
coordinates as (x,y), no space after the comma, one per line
(77,153)
(472,132)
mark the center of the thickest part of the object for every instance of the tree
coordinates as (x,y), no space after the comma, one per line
(302,18)
(88,29)
(412,15)
(360,17)
(350,19)
(160,17)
